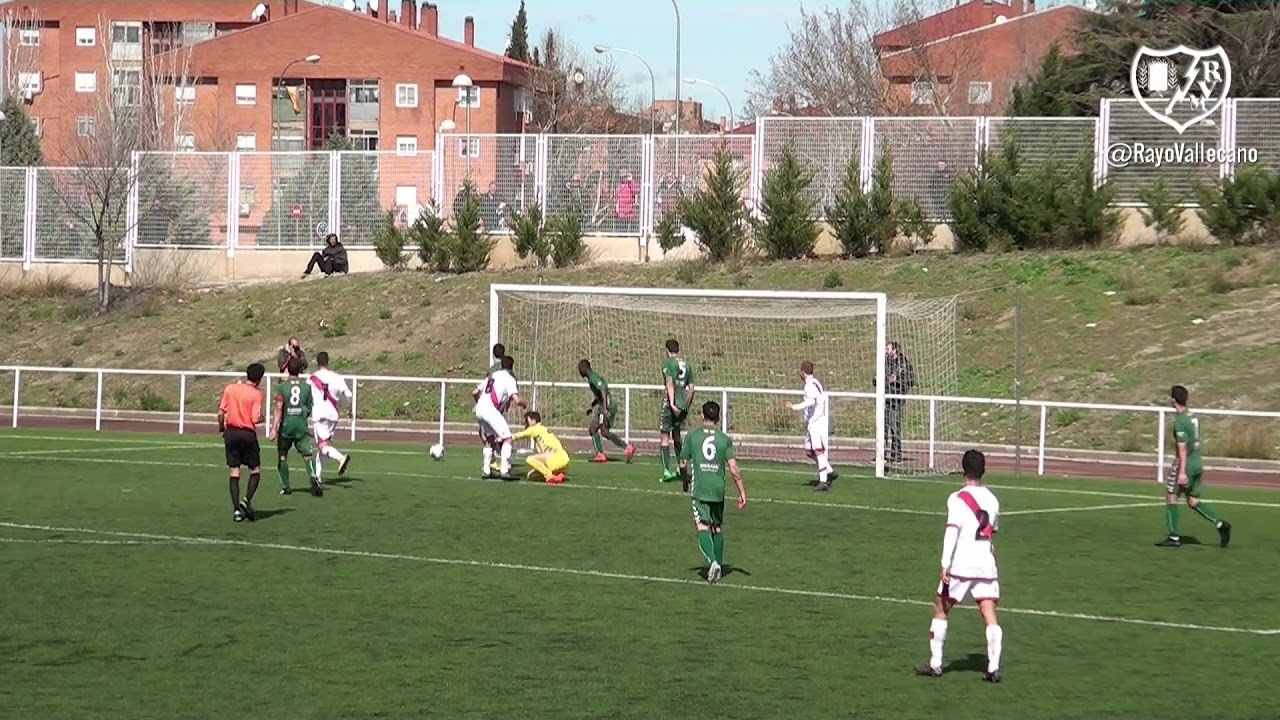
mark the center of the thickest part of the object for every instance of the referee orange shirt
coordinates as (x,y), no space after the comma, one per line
(242,406)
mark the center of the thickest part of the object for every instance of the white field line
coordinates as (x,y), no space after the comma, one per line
(131,448)
(634,490)
(772,470)
(71,541)
(545,569)
(1079,508)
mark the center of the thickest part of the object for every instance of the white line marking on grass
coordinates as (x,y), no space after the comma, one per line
(71,541)
(546,569)
(1081,508)
(74,450)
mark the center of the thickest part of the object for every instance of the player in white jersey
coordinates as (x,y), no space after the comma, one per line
(494,395)
(968,565)
(816,408)
(330,391)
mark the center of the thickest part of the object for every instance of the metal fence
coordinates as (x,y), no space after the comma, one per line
(619,185)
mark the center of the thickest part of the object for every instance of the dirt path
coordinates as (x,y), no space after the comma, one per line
(996,463)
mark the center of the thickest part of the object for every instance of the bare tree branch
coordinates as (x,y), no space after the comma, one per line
(562,104)
(19,58)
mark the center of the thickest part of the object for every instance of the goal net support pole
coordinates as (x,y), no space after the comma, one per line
(742,345)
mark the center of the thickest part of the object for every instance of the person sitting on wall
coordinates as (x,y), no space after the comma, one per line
(331,259)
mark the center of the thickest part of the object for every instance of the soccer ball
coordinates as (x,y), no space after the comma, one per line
(437,452)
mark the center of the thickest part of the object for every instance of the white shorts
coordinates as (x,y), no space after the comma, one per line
(323,429)
(816,436)
(960,588)
(492,422)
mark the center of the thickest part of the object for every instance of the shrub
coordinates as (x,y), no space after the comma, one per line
(787,230)
(850,213)
(870,220)
(470,243)
(428,233)
(529,236)
(568,248)
(390,241)
(338,328)
(1161,212)
(716,213)
(667,232)
(149,401)
(1243,209)
(914,226)
(832,280)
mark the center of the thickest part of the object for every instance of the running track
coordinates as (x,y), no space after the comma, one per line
(996,463)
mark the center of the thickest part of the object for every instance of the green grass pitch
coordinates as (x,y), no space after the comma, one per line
(413,590)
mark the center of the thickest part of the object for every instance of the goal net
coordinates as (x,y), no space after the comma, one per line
(745,349)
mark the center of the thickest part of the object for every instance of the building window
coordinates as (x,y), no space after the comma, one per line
(469,147)
(406,144)
(29,36)
(86,82)
(922,93)
(86,36)
(363,91)
(289,140)
(86,127)
(979,93)
(246,142)
(29,82)
(186,142)
(246,94)
(366,140)
(127,87)
(126,41)
(469,97)
(406,96)
(184,92)
(363,97)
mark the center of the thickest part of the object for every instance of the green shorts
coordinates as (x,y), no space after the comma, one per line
(669,422)
(1191,489)
(604,416)
(305,446)
(708,513)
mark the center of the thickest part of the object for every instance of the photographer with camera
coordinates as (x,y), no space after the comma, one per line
(291,349)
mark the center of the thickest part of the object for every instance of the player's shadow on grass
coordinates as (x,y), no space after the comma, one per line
(972,662)
(268,514)
(343,482)
(726,571)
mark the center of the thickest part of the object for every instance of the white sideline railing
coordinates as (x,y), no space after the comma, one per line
(442,388)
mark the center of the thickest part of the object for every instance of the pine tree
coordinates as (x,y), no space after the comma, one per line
(470,243)
(19,147)
(172,209)
(518,46)
(716,213)
(787,230)
(850,215)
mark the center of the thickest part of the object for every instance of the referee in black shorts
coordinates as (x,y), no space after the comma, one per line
(239,414)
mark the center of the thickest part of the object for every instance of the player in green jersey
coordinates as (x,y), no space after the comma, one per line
(293,407)
(677,396)
(602,412)
(1187,472)
(706,456)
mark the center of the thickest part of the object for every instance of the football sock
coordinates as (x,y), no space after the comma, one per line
(824,466)
(677,442)
(539,465)
(312,463)
(282,469)
(318,467)
(486,456)
(717,546)
(1207,513)
(332,453)
(254,479)
(1171,515)
(995,641)
(612,437)
(665,454)
(234,484)
(595,440)
(937,637)
(505,457)
(705,544)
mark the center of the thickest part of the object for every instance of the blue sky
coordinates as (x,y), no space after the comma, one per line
(722,40)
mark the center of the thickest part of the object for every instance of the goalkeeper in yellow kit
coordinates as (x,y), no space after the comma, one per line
(549,459)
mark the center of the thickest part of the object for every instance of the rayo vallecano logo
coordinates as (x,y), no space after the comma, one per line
(1180,86)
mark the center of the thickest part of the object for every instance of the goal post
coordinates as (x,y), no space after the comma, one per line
(745,349)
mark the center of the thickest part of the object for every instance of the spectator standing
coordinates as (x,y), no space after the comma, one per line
(291,349)
(332,258)
(625,202)
(899,379)
(938,201)
(491,209)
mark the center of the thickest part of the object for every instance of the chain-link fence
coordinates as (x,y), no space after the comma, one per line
(1257,125)
(823,145)
(598,177)
(681,164)
(182,199)
(284,198)
(13,213)
(502,168)
(77,210)
(1129,124)
(1041,140)
(928,155)
(372,183)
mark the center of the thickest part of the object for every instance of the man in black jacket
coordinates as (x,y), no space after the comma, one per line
(332,258)
(899,379)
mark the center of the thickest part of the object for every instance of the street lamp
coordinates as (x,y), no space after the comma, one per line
(653,83)
(275,120)
(463,81)
(677,9)
(708,83)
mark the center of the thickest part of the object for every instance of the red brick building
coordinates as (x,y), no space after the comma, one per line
(384,79)
(966,60)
